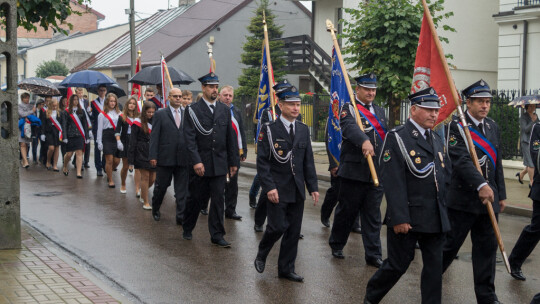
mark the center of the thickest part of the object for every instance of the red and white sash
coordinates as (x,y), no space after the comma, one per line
(110,119)
(81,103)
(98,108)
(236,127)
(129,121)
(137,122)
(79,125)
(58,127)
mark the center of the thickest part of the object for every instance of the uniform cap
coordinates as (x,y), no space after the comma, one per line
(210,78)
(477,89)
(426,98)
(368,80)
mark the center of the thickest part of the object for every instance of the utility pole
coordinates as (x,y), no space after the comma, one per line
(132,35)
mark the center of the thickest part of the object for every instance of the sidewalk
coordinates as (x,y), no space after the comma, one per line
(518,202)
(33,274)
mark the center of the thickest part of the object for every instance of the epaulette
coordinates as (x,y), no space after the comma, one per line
(397,129)
(269,123)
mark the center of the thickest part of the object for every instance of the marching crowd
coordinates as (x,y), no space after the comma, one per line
(435,194)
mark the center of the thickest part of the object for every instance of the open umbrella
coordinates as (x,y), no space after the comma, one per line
(113,88)
(525,100)
(39,86)
(87,79)
(152,76)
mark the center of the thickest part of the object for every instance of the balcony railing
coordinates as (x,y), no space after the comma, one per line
(522,3)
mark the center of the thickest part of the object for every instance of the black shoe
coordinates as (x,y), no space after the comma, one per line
(100,173)
(519,178)
(325,222)
(375,262)
(56,170)
(187,235)
(204,212)
(179,222)
(516,273)
(252,202)
(234,216)
(66,173)
(259,265)
(357,230)
(291,277)
(338,254)
(112,186)
(156,215)
(221,243)
(86,166)
(79,176)
(366,301)
(258,228)
(301,236)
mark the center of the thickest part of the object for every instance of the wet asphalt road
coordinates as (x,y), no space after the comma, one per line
(150,262)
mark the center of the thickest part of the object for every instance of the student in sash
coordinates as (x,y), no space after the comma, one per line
(470,190)
(62,106)
(357,192)
(51,134)
(41,113)
(96,108)
(139,150)
(85,103)
(107,140)
(123,130)
(75,132)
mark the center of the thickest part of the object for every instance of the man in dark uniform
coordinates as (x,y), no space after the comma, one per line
(413,163)
(357,192)
(96,107)
(213,151)
(231,188)
(470,190)
(169,154)
(285,167)
(531,233)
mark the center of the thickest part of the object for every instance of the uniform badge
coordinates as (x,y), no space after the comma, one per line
(386,155)
(536,145)
(417,160)
(343,114)
(280,152)
(415,133)
(412,153)
(276,145)
(261,135)
(452,141)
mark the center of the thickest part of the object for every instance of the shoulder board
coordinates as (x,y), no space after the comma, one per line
(269,123)
(397,129)
(301,122)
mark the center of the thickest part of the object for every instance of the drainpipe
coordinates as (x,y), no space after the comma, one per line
(524,56)
(23,57)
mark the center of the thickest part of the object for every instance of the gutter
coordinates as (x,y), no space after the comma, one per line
(524,56)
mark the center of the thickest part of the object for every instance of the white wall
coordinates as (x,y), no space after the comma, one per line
(533,58)
(325,9)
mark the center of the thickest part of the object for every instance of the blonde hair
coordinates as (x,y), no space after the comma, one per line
(126,106)
(50,107)
(108,100)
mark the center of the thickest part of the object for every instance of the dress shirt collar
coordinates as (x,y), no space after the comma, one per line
(208,103)
(420,129)
(287,123)
(475,121)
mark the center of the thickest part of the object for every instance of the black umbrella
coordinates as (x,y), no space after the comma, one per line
(39,86)
(152,76)
(525,100)
(113,88)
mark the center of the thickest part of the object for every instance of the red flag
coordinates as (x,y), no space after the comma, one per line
(69,93)
(429,71)
(165,81)
(136,88)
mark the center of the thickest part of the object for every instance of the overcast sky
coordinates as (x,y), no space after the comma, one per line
(114,10)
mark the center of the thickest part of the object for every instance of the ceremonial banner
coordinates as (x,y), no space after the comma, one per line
(429,70)
(136,88)
(165,81)
(265,84)
(339,96)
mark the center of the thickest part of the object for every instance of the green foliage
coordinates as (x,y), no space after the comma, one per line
(507,118)
(382,36)
(50,68)
(249,80)
(45,14)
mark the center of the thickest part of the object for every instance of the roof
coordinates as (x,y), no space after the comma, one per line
(99,15)
(169,33)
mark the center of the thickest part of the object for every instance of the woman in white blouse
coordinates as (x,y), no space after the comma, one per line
(52,134)
(123,132)
(106,138)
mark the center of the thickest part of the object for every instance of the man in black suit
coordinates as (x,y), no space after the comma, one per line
(529,237)
(470,190)
(357,192)
(168,152)
(226,96)
(413,164)
(96,106)
(213,151)
(285,167)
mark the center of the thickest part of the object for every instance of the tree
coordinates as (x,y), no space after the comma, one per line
(45,14)
(49,68)
(382,36)
(249,80)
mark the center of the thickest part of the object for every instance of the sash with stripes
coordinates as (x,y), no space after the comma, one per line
(79,125)
(157,102)
(482,143)
(58,127)
(137,122)
(81,102)
(97,106)
(110,119)
(373,120)
(236,127)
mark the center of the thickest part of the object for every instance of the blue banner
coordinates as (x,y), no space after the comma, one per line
(338,96)
(263,101)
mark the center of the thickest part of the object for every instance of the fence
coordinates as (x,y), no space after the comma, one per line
(314,110)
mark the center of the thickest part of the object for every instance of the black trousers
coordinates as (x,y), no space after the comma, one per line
(528,239)
(331,199)
(231,195)
(43,148)
(484,250)
(164,175)
(400,255)
(99,158)
(87,154)
(198,188)
(260,211)
(284,219)
(355,197)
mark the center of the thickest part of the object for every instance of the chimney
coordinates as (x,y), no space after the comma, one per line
(185,2)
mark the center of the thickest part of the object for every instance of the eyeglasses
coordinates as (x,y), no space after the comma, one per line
(176,96)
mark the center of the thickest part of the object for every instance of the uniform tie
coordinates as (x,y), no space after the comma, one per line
(213,108)
(428,138)
(367,106)
(481,129)
(291,132)
(177,117)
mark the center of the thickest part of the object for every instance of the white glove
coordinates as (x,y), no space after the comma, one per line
(91,136)
(65,141)
(89,109)
(119,145)
(100,146)
(87,141)
(42,137)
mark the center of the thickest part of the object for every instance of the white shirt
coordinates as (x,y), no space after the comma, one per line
(179,110)
(287,124)
(104,123)
(209,104)
(100,102)
(477,122)
(420,129)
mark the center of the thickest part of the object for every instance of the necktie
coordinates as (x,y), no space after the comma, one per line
(428,137)
(291,132)
(177,117)
(481,128)
(368,107)
(213,108)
